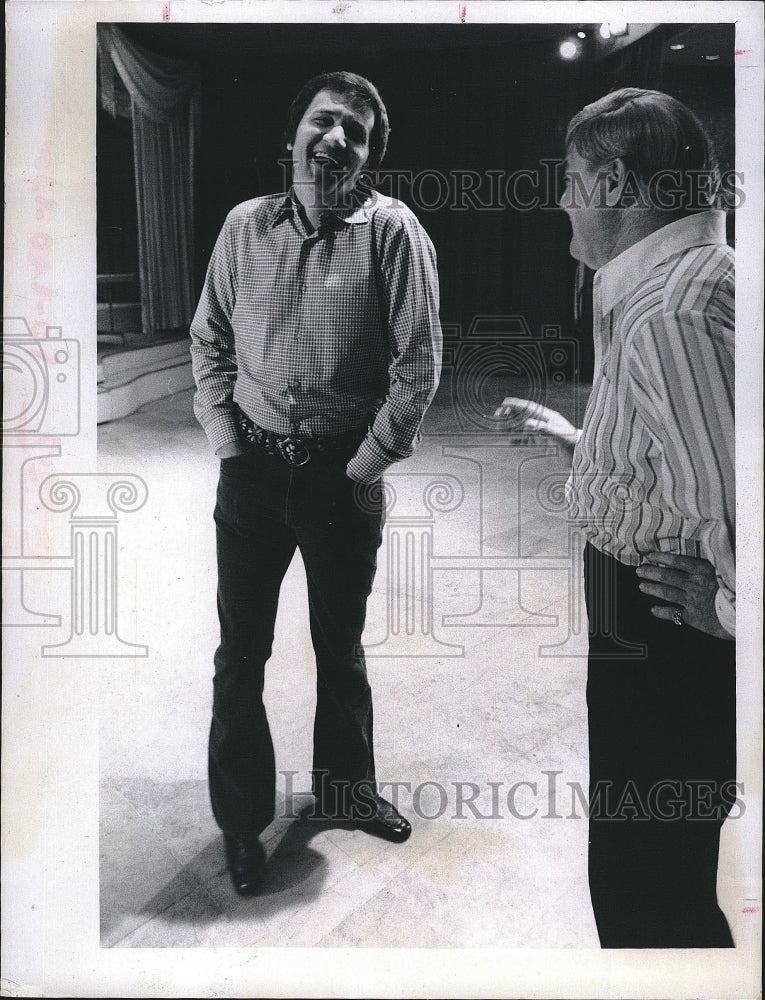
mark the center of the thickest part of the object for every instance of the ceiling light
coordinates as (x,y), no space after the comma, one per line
(569,49)
(581,34)
(711,58)
(677,47)
(617,28)
(605,31)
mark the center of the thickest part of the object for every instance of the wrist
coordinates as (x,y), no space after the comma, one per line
(230,450)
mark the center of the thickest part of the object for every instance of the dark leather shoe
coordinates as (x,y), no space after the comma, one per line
(246,862)
(386,822)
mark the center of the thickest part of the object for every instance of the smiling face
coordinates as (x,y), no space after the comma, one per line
(330,149)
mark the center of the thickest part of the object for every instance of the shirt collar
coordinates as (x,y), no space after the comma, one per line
(283,210)
(620,276)
(353,215)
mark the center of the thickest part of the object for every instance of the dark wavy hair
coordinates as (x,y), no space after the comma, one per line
(360,93)
(654,135)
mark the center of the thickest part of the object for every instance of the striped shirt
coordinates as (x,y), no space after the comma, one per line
(320,332)
(654,467)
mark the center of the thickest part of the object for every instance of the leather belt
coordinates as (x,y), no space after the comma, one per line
(293,449)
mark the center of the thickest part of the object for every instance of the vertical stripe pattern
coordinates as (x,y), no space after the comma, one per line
(654,468)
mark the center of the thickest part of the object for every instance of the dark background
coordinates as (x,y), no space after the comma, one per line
(459,97)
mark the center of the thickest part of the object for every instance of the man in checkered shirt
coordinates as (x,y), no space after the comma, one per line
(316,350)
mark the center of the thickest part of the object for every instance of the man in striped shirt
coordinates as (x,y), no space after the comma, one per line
(316,351)
(652,486)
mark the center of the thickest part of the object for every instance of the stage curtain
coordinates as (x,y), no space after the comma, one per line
(640,64)
(161,95)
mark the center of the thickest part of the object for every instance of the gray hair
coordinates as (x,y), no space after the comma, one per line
(658,138)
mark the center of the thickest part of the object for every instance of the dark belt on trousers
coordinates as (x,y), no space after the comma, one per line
(293,449)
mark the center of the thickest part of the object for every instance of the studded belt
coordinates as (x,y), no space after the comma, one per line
(293,449)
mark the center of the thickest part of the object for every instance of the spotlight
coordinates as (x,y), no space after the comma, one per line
(711,58)
(617,28)
(677,47)
(581,34)
(605,31)
(569,49)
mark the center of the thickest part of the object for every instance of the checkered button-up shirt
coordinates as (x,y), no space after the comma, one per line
(320,333)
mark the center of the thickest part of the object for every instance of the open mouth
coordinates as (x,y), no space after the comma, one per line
(325,160)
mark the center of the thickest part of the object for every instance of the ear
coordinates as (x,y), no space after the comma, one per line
(623,188)
(616,174)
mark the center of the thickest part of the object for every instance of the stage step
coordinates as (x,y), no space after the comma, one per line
(128,380)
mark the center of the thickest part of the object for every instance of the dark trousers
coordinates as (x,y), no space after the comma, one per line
(265,509)
(662,739)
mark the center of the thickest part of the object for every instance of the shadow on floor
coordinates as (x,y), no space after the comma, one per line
(293,868)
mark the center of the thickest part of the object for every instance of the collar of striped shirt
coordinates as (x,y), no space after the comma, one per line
(620,277)
(354,215)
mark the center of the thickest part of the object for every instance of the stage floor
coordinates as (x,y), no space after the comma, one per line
(477,660)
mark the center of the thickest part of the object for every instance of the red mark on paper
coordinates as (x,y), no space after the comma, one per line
(463,13)
(741,52)
(166,12)
(750,909)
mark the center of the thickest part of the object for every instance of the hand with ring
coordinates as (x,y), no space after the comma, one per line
(688,585)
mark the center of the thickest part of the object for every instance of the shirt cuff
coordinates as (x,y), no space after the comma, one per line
(222,430)
(369,462)
(726,611)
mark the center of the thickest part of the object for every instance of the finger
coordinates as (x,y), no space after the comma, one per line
(523,405)
(665,613)
(662,591)
(662,574)
(689,564)
(533,424)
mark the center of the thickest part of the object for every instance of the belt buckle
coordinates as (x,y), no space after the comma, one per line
(294,451)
